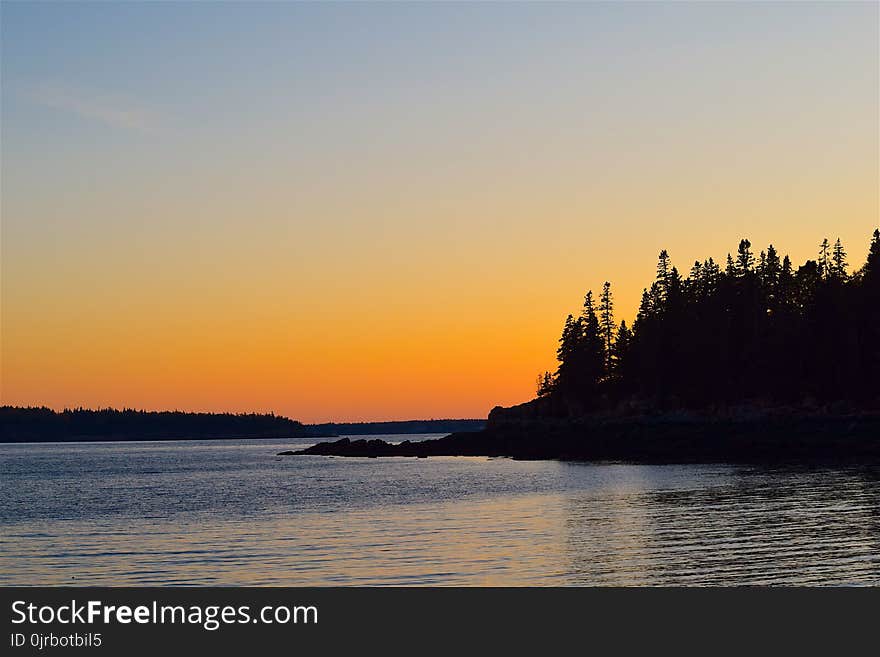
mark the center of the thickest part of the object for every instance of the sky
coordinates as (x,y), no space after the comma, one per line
(385,211)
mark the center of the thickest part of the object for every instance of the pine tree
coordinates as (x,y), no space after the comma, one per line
(593,353)
(711,276)
(871,270)
(545,384)
(570,375)
(787,270)
(588,312)
(675,291)
(838,261)
(730,268)
(788,335)
(606,324)
(644,313)
(772,267)
(621,348)
(695,281)
(663,273)
(824,269)
(646,308)
(569,344)
(657,298)
(745,260)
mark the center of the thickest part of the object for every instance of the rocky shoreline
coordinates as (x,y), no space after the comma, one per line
(781,439)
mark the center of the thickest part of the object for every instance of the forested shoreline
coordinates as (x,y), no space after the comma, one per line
(756,361)
(754,345)
(39,424)
(757,331)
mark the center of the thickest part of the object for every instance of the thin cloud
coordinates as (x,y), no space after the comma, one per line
(109,110)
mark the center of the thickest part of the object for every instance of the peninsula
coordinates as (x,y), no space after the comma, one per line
(753,361)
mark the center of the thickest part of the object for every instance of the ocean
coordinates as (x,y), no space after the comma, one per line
(231,512)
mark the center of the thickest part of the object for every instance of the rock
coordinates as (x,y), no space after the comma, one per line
(644,439)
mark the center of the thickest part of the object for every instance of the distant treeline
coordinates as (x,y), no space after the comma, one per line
(39,424)
(756,330)
(396,427)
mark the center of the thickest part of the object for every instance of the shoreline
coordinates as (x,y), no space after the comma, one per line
(802,439)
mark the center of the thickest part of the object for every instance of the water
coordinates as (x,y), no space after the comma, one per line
(231,512)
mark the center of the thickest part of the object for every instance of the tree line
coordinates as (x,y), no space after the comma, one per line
(754,329)
(18,424)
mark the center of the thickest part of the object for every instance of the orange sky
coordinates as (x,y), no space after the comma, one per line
(396,227)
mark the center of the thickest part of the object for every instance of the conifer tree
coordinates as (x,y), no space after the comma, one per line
(624,339)
(824,268)
(545,384)
(838,261)
(675,290)
(645,306)
(657,298)
(566,354)
(788,335)
(745,260)
(711,276)
(621,349)
(606,324)
(695,281)
(787,272)
(644,313)
(772,267)
(871,270)
(730,268)
(663,273)
(593,353)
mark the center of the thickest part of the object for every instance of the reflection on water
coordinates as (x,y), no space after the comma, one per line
(783,526)
(230,512)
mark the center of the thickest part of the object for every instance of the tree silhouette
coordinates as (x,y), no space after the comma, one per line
(23,424)
(623,342)
(730,268)
(771,269)
(663,270)
(838,261)
(824,268)
(570,344)
(606,326)
(755,333)
(593,353)
(545,384)
(871,270)
(745,260)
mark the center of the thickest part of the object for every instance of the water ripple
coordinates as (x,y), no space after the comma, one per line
(229,512)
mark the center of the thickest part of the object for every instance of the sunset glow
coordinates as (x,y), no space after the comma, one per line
(364,212)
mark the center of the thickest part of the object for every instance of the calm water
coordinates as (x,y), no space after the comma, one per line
(231,512)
